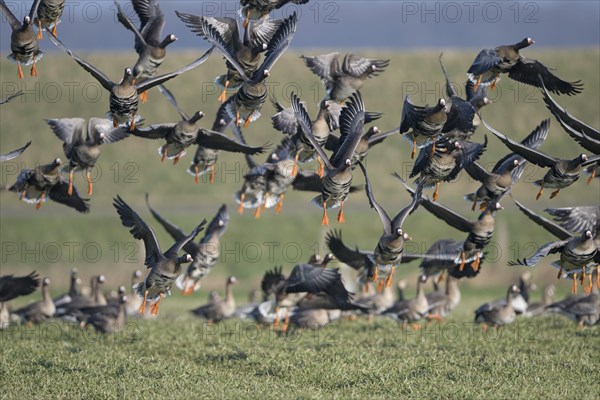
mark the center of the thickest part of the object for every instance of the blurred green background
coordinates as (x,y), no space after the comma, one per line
(55,239)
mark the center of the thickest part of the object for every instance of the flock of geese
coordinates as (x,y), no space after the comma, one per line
(339,138)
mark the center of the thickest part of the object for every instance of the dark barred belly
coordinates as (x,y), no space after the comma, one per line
(558,179)
(148,67)
(124,107)
(480,239)
(426,128)
(335,191)
(50,11)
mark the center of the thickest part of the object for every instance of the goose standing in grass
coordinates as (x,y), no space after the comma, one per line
(124,96)
(41,310)
(584,310)
(164,267)
(108,322)
(337,178)
(185,133)
(413,310)
(341,81)
(498,314)
(445,300)
(505,173)
(72,293)
(48,15)
(24,44)
(422,124)
(576,251)
(490,63)
(149,44)
(205,254)
(15,153)
(563,172)
(81,143)
(43,182)
(539,309)
(218,309)
(245,51)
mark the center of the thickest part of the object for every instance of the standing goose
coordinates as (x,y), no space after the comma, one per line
(39,311)
(498,314)
(219,309)
(342,81)
(505,173)
(149,45)
(205,254)
(412,310)
(24,44)
(108,322)
(490,63)
(73,292)
(388,252)
(563,172)
(445,300)
(164,267)
(480,231)
(15,153)
(444,161)
(576,252)
(246,52)
(43,182)
(338,174)
(585,135)
(180,135)
(82,147)
(124,96)
(424,123)
(584,310)
(48,15)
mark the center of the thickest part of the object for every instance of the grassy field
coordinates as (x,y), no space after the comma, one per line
(548,358)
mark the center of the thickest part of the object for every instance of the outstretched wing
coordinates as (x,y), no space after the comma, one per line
(12,287)
(577,219)
(550,226)
(528,70)
(548,248)
(383,216)
(15,153)
(353,258)
(60,194)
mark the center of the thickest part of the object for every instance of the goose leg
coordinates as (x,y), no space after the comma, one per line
(325,219)
(39,34)
(132,124)
(554,194)
(164,154)
(257,211)
(436,193)
(590,285)
(286,323)
(484,327)
(142,309)
(40,201)
(247,121)
(187,289)
(483,206)
(380,286)
(247,19)
(154,307)
(20,71)
(295,168)
(223,95)
(436,317)
(264,204)
(240,209)
(340,216)
(196,174)
(414,149)
(494,83)
(177,157)
(276,322)
(463,261)
(440,278)
(583,276)
(598,276)
(416,326)
(279,205)
(433,147)
(474,203)
(237,117)
(90,183)
(144,96)
(321,170)
(70,190)
(475,264)
(376,273)
(477,83)
(211,178)
(115,122)
(541,192)
(592,176)
(388,281)
(560,271)
(54,27)
(34,68)
(574,287)
(365,288)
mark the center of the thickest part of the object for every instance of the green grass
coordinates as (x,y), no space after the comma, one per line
(185,358)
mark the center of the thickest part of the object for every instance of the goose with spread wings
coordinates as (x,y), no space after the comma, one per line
(577,251)
(124,96)
(164,267)
(24,44)
(505,173)
(44,181)
(562,173)
(422,125)
(185,133)
(577,219)
(205,253)
(490,63)
(149,44)
(81,143)
(15,153)
(337,178)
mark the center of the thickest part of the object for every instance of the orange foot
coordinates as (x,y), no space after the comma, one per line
(477,83)
(223,95)
(340,216)
(541,192)
(144,96)
(142,309)
(196,174)
(20,71)
(240,209)
(154,307)
(325,219)
(554,194)
(574,287)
